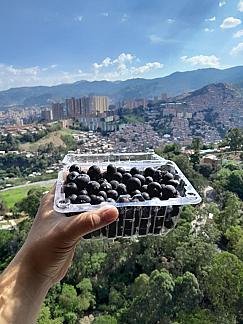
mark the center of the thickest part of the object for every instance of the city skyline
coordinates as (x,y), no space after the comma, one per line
(53,43)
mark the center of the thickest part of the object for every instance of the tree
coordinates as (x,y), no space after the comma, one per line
(205,169)
(68,298)
(234,235)
(30,204)
(224,282)
(235,182)
(234,139)
(187,294)
(86,299)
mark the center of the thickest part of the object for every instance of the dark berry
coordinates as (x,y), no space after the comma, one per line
(72,198)
(121,170)
(149,172)
(83,199)
(75,167)
(140,177)
(134,171)
(176,177)
(112,194)
(136,192)
(157,175)
(83,192)
(133,184)
(105,186)
(144,188)
(93,199)
(72,176)
(101,180)
(70,188)
(154,189)
(93,187)
(145,195)
(139,197)
(126,176)
(102,194)
(82,180)
(168,191)
(167,177)
(98,200)
(117,176)
(174,183)
(94,172)
(110,200)
(148,180)
(123,199)
(121,189)
(114,184)
(111,169)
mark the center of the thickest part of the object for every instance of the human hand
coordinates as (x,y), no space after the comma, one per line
(50,245)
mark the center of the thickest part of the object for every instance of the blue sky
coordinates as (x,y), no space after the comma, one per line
(46,42)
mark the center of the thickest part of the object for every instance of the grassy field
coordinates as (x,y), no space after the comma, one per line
(11,196)
(54,138)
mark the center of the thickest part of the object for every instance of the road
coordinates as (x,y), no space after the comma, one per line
(39,183)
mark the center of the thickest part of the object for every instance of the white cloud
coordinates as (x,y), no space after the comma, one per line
(79,18)
(237,50)
(170,21)
(155,39)
(202,60)
(208,30)
(211,19)
(230,22)
(124,66)
(240,6)
(105,14)
(222,3)
(147,67)
(238,34)
(124,18)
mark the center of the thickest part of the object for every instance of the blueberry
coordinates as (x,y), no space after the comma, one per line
(136,192)
(110,200)
(167,177)
(133,184)
(97,200)
(168,191)
(83,192)
(112,194)
(126,176)
(144,188)
(121,170)
(157,175)
(123,199)
(72,176)
(107,176)
(149,172)
(70,188)
(154,189)
(134,171)
(111,169)
(82,180)
(121,189)
(72,198)
(145,195)
(83,199)
(141,178)
(102,194)
(117,176)
(105,186)
(114,184)
(148,180)
(101,180)
(93,187)
(94,172)
(75,167)
(174,183)
(93,199)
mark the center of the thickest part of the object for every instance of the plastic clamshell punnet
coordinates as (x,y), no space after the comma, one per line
(140,218)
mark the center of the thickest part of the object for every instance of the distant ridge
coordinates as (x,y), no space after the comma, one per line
(174,84)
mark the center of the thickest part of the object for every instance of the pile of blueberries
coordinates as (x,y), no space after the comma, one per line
(119,185)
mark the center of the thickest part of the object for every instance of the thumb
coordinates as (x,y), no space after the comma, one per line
(90,221)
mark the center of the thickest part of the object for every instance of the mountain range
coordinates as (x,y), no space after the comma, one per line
(174,84)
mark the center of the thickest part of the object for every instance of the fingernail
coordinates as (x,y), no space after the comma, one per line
(108,215)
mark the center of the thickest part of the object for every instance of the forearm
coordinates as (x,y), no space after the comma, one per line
(21,293)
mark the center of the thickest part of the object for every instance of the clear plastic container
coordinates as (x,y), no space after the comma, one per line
(140,218)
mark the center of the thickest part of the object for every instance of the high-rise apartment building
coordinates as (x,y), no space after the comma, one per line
(46,115)
(86,106)
(99,104)
(58,111)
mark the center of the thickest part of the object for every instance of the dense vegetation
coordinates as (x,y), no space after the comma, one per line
(194,275)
